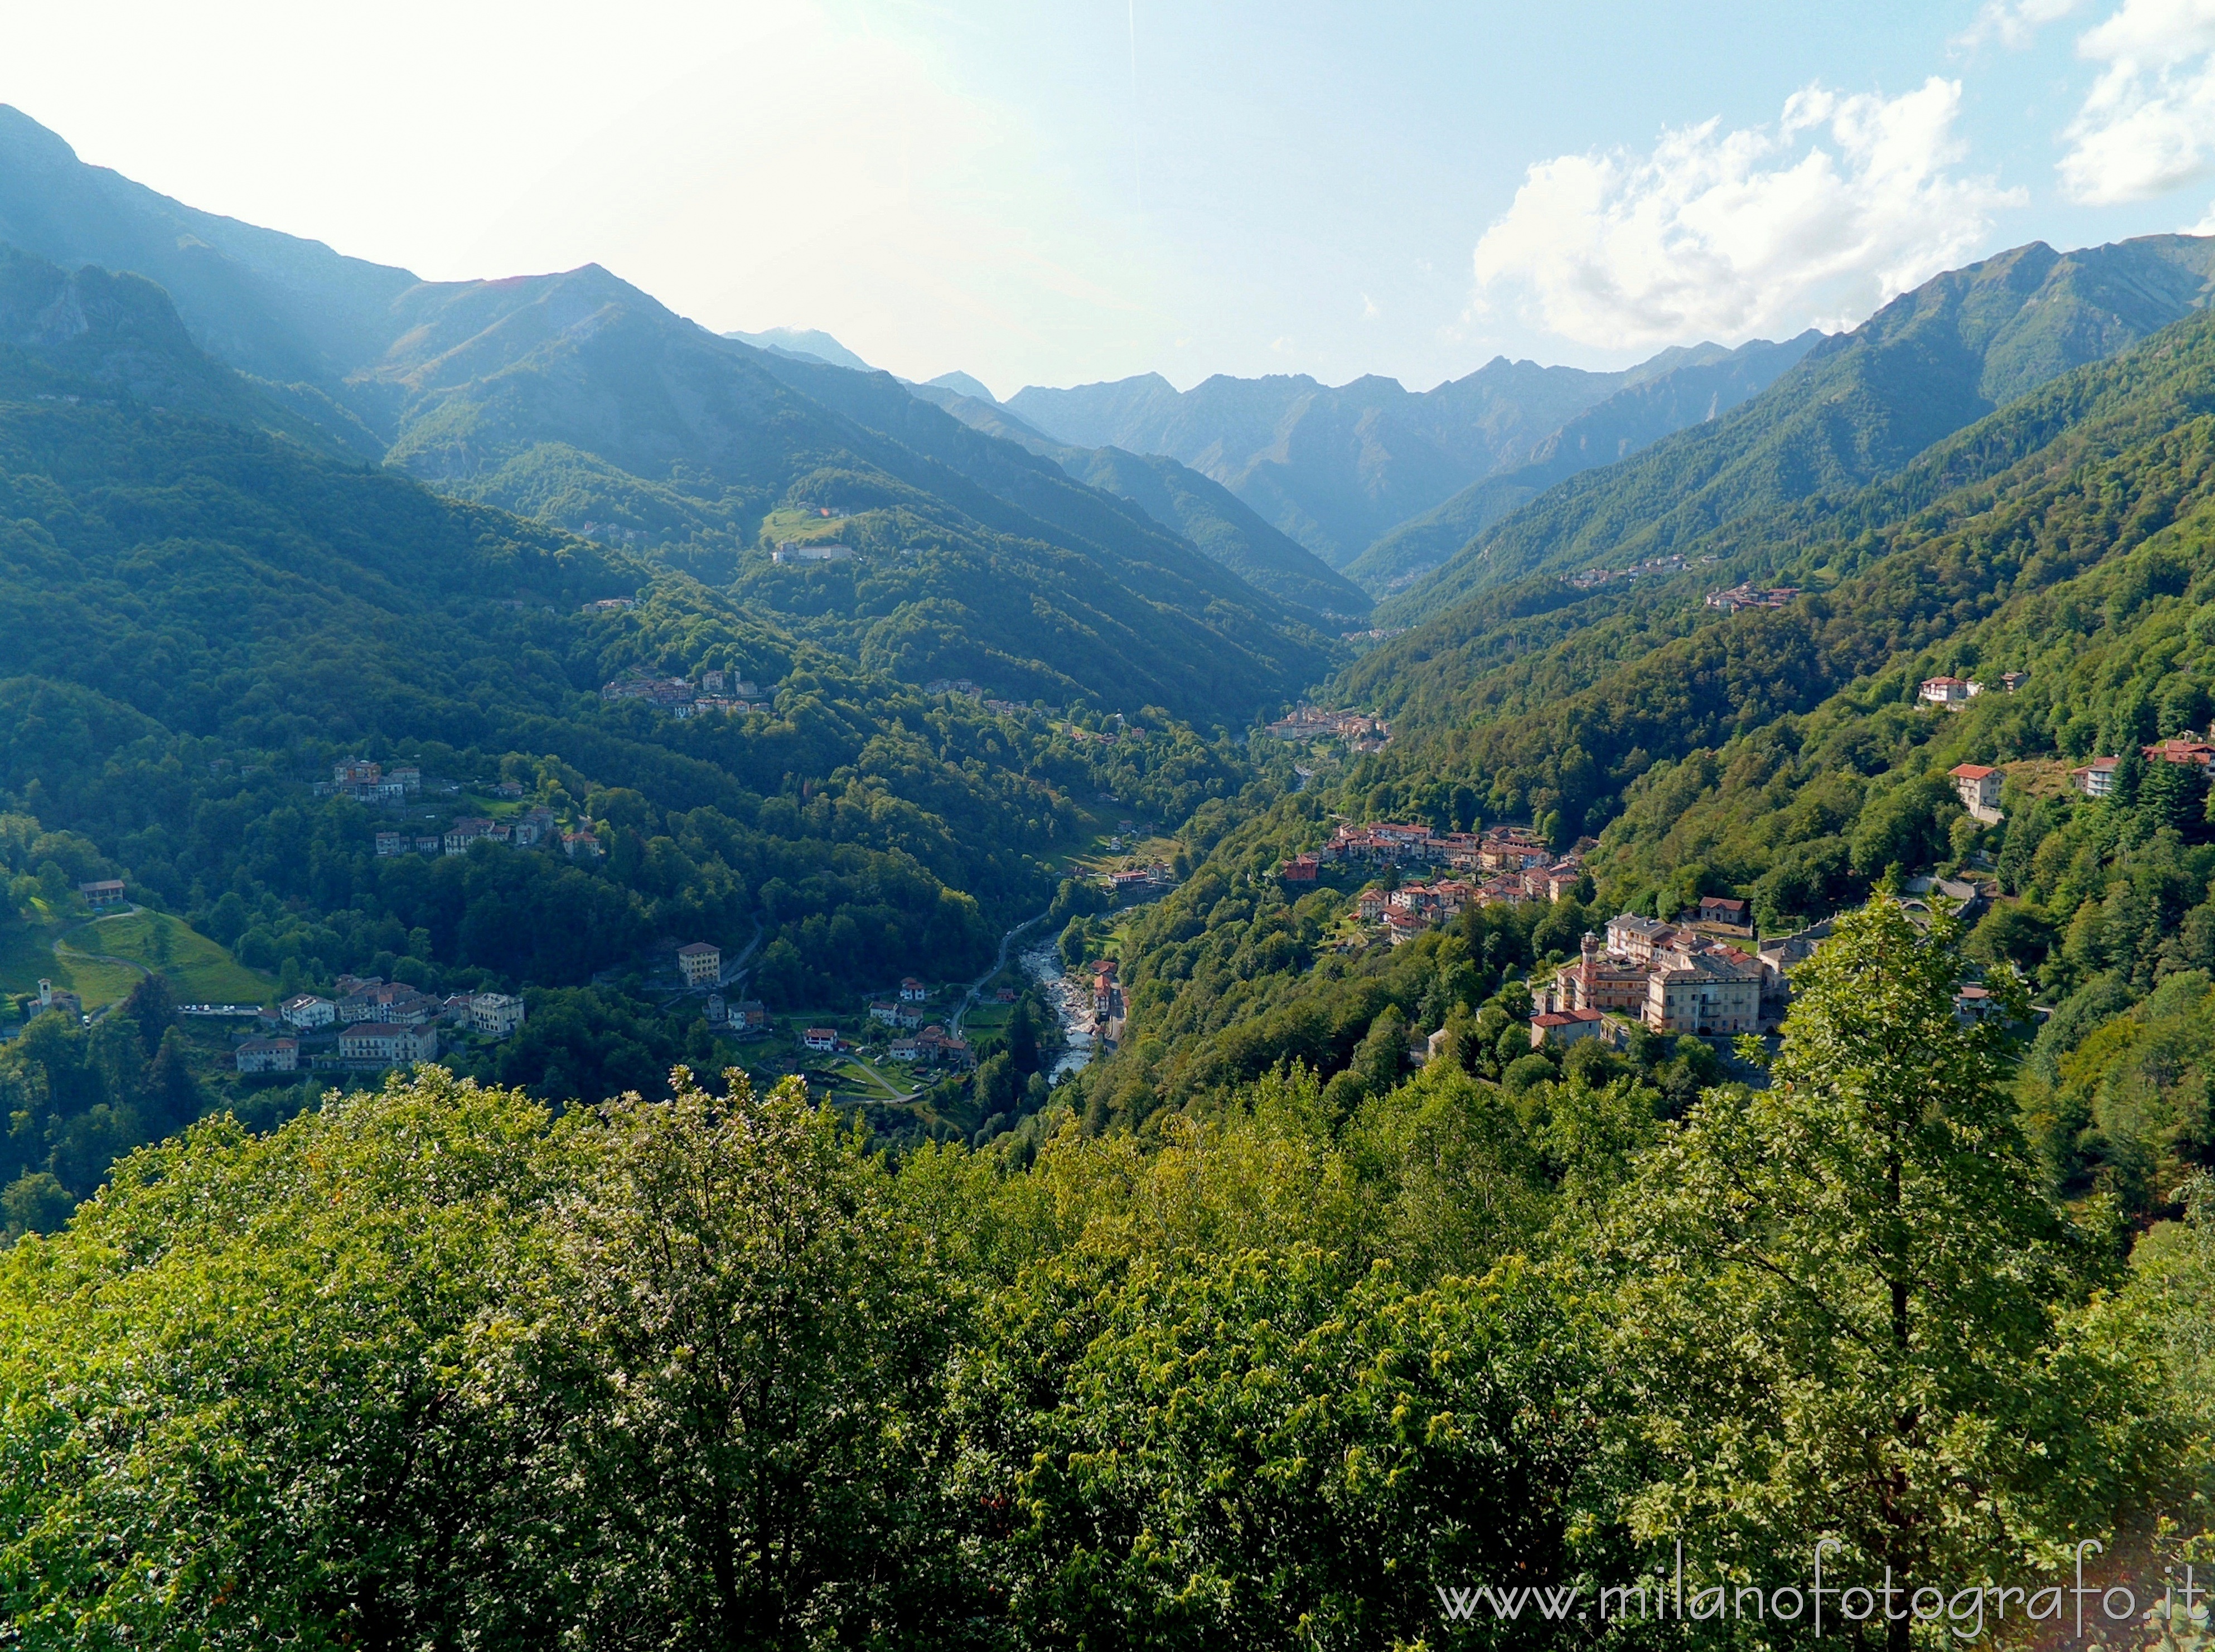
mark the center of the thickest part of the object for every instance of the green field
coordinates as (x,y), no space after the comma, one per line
(198,969)
(27,956)
(803,526)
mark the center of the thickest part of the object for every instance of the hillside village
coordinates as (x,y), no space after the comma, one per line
(1703,974)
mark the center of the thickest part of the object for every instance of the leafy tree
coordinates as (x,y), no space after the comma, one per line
(1841,1304)
(1242,1452)
(750,1345)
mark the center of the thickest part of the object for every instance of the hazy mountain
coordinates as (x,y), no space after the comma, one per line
(1334,468)
(272,305)
(119,335)
(806,341)
(1703,388)
(1858,405)
(1182,499)
(1339,468)
(963,384)
(579,399)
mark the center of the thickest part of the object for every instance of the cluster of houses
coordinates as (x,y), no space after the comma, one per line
(1520,868)
(790,551)
(1952,693)
(1360,730)
(1693,977)
(2097,778)
(721,693)
(968,690)
(538,828)
(373,1024)
(1592,578)
(925,1042)
(1751,595)
(932,1047)
(368,782)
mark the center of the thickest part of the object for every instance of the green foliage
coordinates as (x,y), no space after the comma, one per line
(1842,1305)
(431,1365)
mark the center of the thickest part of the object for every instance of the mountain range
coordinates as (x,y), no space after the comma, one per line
(1858,407)
(576,399)
(1340,469)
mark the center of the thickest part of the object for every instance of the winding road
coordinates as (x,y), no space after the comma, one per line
(999,963)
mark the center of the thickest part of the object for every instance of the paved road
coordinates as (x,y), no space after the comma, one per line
(900,1098)
(998,964)
(735,971)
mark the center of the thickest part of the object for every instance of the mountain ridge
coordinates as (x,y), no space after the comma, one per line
(1857,406)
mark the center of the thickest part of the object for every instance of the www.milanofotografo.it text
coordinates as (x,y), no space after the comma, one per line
(1668,1594)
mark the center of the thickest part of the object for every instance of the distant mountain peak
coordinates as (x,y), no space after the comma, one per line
(808,343)
(964,384)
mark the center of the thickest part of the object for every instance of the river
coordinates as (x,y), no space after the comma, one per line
(1073,1007)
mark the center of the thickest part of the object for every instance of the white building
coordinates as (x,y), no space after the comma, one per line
(495,1014)
(308,1012)
(2097,778)
(1948,691)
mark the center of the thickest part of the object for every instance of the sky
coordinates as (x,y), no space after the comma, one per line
(1096,188)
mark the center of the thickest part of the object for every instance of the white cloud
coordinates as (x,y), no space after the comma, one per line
(2148,125)
(1844,203)
(2014,23)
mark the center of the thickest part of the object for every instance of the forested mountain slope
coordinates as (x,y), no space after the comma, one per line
(1699,389)
(577,399)
(1781,755)
(2081,469)
(198,617)
(1182,500)
(1857,407)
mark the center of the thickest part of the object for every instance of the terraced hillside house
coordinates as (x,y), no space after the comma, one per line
(387,1044)
(1638,939)
(1979,786)
(2096,779)
(269,1055)
(1948,692)
(1565,1026)
(700,963)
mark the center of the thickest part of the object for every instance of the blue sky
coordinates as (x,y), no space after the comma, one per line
(1059,193)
